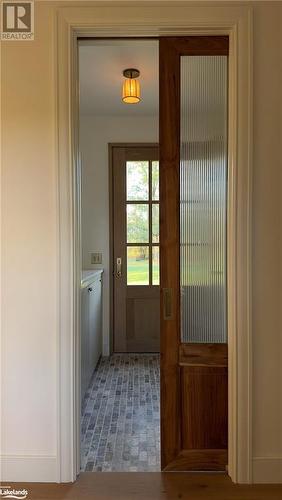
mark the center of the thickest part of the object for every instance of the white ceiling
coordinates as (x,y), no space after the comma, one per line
(203,78)
(101,63)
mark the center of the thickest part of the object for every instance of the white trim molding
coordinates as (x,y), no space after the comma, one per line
(139,19)
(267,470)
(29,468)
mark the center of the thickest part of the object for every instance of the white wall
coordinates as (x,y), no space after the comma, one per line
(96,132)
(267,299)
(29,255)
(29,273)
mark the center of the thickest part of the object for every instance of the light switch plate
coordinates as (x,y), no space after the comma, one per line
(96,258)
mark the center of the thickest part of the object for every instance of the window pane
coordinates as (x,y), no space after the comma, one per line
(156,265)
(203,198)
(138,265)
(137,180)
(137,223)
(155,223)
(155,180)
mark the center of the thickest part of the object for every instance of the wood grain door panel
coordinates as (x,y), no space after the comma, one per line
(204,407)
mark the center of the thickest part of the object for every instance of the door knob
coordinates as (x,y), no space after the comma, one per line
(119,267)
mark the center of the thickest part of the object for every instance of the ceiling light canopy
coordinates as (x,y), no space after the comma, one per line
(131,86)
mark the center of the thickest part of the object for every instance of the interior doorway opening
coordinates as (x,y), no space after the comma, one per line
(120,391)
(191,198)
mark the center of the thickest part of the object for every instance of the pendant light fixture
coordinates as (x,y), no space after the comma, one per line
(131,86)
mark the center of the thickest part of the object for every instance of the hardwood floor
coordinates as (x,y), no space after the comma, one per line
(150,486)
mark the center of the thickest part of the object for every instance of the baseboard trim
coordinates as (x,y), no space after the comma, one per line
(267,470)
(29,468)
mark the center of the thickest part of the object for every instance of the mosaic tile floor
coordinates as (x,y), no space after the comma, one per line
(121,415)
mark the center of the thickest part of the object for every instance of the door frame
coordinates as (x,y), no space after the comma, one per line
(111,147)
(142,20)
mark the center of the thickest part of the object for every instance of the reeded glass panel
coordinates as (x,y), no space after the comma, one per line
(155,180)
(137,180)
(138,265)
(137,223)
(155,223)
(203,190)
(156,265)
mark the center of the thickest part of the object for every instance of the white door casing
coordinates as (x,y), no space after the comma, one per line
(143,20)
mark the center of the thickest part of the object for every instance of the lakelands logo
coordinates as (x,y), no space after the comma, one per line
(17,20)
(8,492)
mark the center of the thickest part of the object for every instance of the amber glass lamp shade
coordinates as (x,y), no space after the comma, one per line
(131,91)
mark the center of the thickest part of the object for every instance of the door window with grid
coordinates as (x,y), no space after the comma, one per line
(142,222)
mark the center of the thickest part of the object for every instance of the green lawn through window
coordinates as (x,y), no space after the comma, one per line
(138,272)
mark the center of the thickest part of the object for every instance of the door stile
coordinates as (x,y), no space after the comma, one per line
(119,231)
(169,251)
